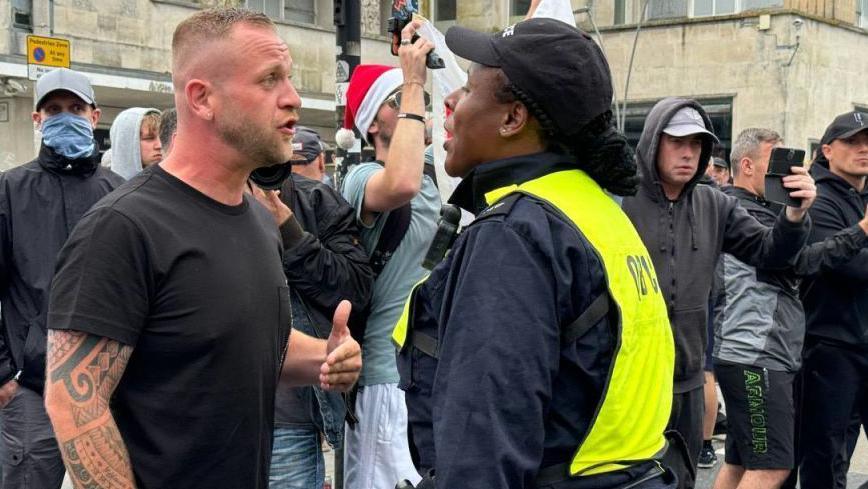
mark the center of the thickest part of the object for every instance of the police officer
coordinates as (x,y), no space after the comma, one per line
(527,354)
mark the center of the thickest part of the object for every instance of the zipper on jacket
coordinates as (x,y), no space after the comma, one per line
(672,257)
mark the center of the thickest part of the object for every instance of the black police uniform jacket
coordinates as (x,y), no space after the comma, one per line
(504,398)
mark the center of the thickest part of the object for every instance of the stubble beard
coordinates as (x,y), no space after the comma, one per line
(252,142)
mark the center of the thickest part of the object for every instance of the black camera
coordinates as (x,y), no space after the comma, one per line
(271,177)
(403,14)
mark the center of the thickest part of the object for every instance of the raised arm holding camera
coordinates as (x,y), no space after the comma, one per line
(760,321)
(397,204)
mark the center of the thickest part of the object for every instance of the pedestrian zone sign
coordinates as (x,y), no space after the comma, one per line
(44,54)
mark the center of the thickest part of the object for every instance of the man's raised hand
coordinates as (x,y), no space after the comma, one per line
(344,355)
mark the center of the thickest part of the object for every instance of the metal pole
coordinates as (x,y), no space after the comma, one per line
(348,50)
(642,16)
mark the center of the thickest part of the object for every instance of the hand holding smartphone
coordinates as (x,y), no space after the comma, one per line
(780,162)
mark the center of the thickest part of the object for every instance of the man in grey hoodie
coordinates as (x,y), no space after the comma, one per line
(135,141)
(685,228)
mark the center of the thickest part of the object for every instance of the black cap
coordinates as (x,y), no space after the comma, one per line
(558,66)
(306,145)
(719,162)
(845,125)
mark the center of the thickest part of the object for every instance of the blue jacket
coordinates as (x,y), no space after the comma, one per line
(504,398)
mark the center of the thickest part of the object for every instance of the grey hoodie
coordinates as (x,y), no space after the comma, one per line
(686,236)
(126,152)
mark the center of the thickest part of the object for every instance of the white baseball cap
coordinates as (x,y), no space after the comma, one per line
(688,121)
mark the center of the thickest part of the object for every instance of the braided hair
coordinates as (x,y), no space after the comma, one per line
(600,149)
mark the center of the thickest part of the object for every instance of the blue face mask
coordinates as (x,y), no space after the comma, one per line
(68,135)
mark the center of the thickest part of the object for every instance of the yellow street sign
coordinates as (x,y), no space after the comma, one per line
(48,51)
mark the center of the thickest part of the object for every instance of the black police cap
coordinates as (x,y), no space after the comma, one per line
(558,66)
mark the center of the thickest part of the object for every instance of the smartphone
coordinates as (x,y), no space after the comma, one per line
(780,162)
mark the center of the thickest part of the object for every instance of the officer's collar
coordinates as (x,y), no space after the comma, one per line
(470,193)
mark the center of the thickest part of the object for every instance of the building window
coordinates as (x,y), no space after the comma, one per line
(620,12)
(293,10)
(22,14)
(300,11)
(702,8)
(862,14)
(519,7)
(667,9)
(756,4)
(445,10)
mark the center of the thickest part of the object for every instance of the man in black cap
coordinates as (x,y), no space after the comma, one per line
(307,154)
(40,203)
(718,171)
(835,371)
(524,349)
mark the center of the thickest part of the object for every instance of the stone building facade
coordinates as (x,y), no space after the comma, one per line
(124,46)
(790,65)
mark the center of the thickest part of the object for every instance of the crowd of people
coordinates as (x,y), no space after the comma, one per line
(167,322)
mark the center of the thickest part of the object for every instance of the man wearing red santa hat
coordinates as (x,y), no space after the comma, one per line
(397,205)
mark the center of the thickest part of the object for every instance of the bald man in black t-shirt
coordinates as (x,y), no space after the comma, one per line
(169,318)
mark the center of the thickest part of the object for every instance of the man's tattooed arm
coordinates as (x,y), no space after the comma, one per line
(81,374)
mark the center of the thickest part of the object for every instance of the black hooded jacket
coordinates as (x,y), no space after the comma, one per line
(40,203)
(836,300)
(685,237)
(323,258)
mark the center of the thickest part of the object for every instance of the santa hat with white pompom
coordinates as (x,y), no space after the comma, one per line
(370,86)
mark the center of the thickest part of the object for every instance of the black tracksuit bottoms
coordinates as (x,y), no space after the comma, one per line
(834,386)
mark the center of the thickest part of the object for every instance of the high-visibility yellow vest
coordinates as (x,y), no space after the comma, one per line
(636,403)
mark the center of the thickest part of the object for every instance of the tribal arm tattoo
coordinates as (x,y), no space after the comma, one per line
(82,372)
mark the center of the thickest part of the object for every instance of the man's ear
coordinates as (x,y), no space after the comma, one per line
(199,99)
(747,167)
(37,119)
(827,150)
(94,117)
(514,119)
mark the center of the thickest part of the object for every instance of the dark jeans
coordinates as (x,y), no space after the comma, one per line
(835,386)
(688,410)
(31,457)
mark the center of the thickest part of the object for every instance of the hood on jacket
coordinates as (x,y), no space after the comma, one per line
(649,143)
(125,134)
(821,173)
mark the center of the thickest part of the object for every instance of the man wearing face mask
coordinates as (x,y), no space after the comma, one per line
(40,202)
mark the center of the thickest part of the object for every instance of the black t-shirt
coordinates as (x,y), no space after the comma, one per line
(197,288)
